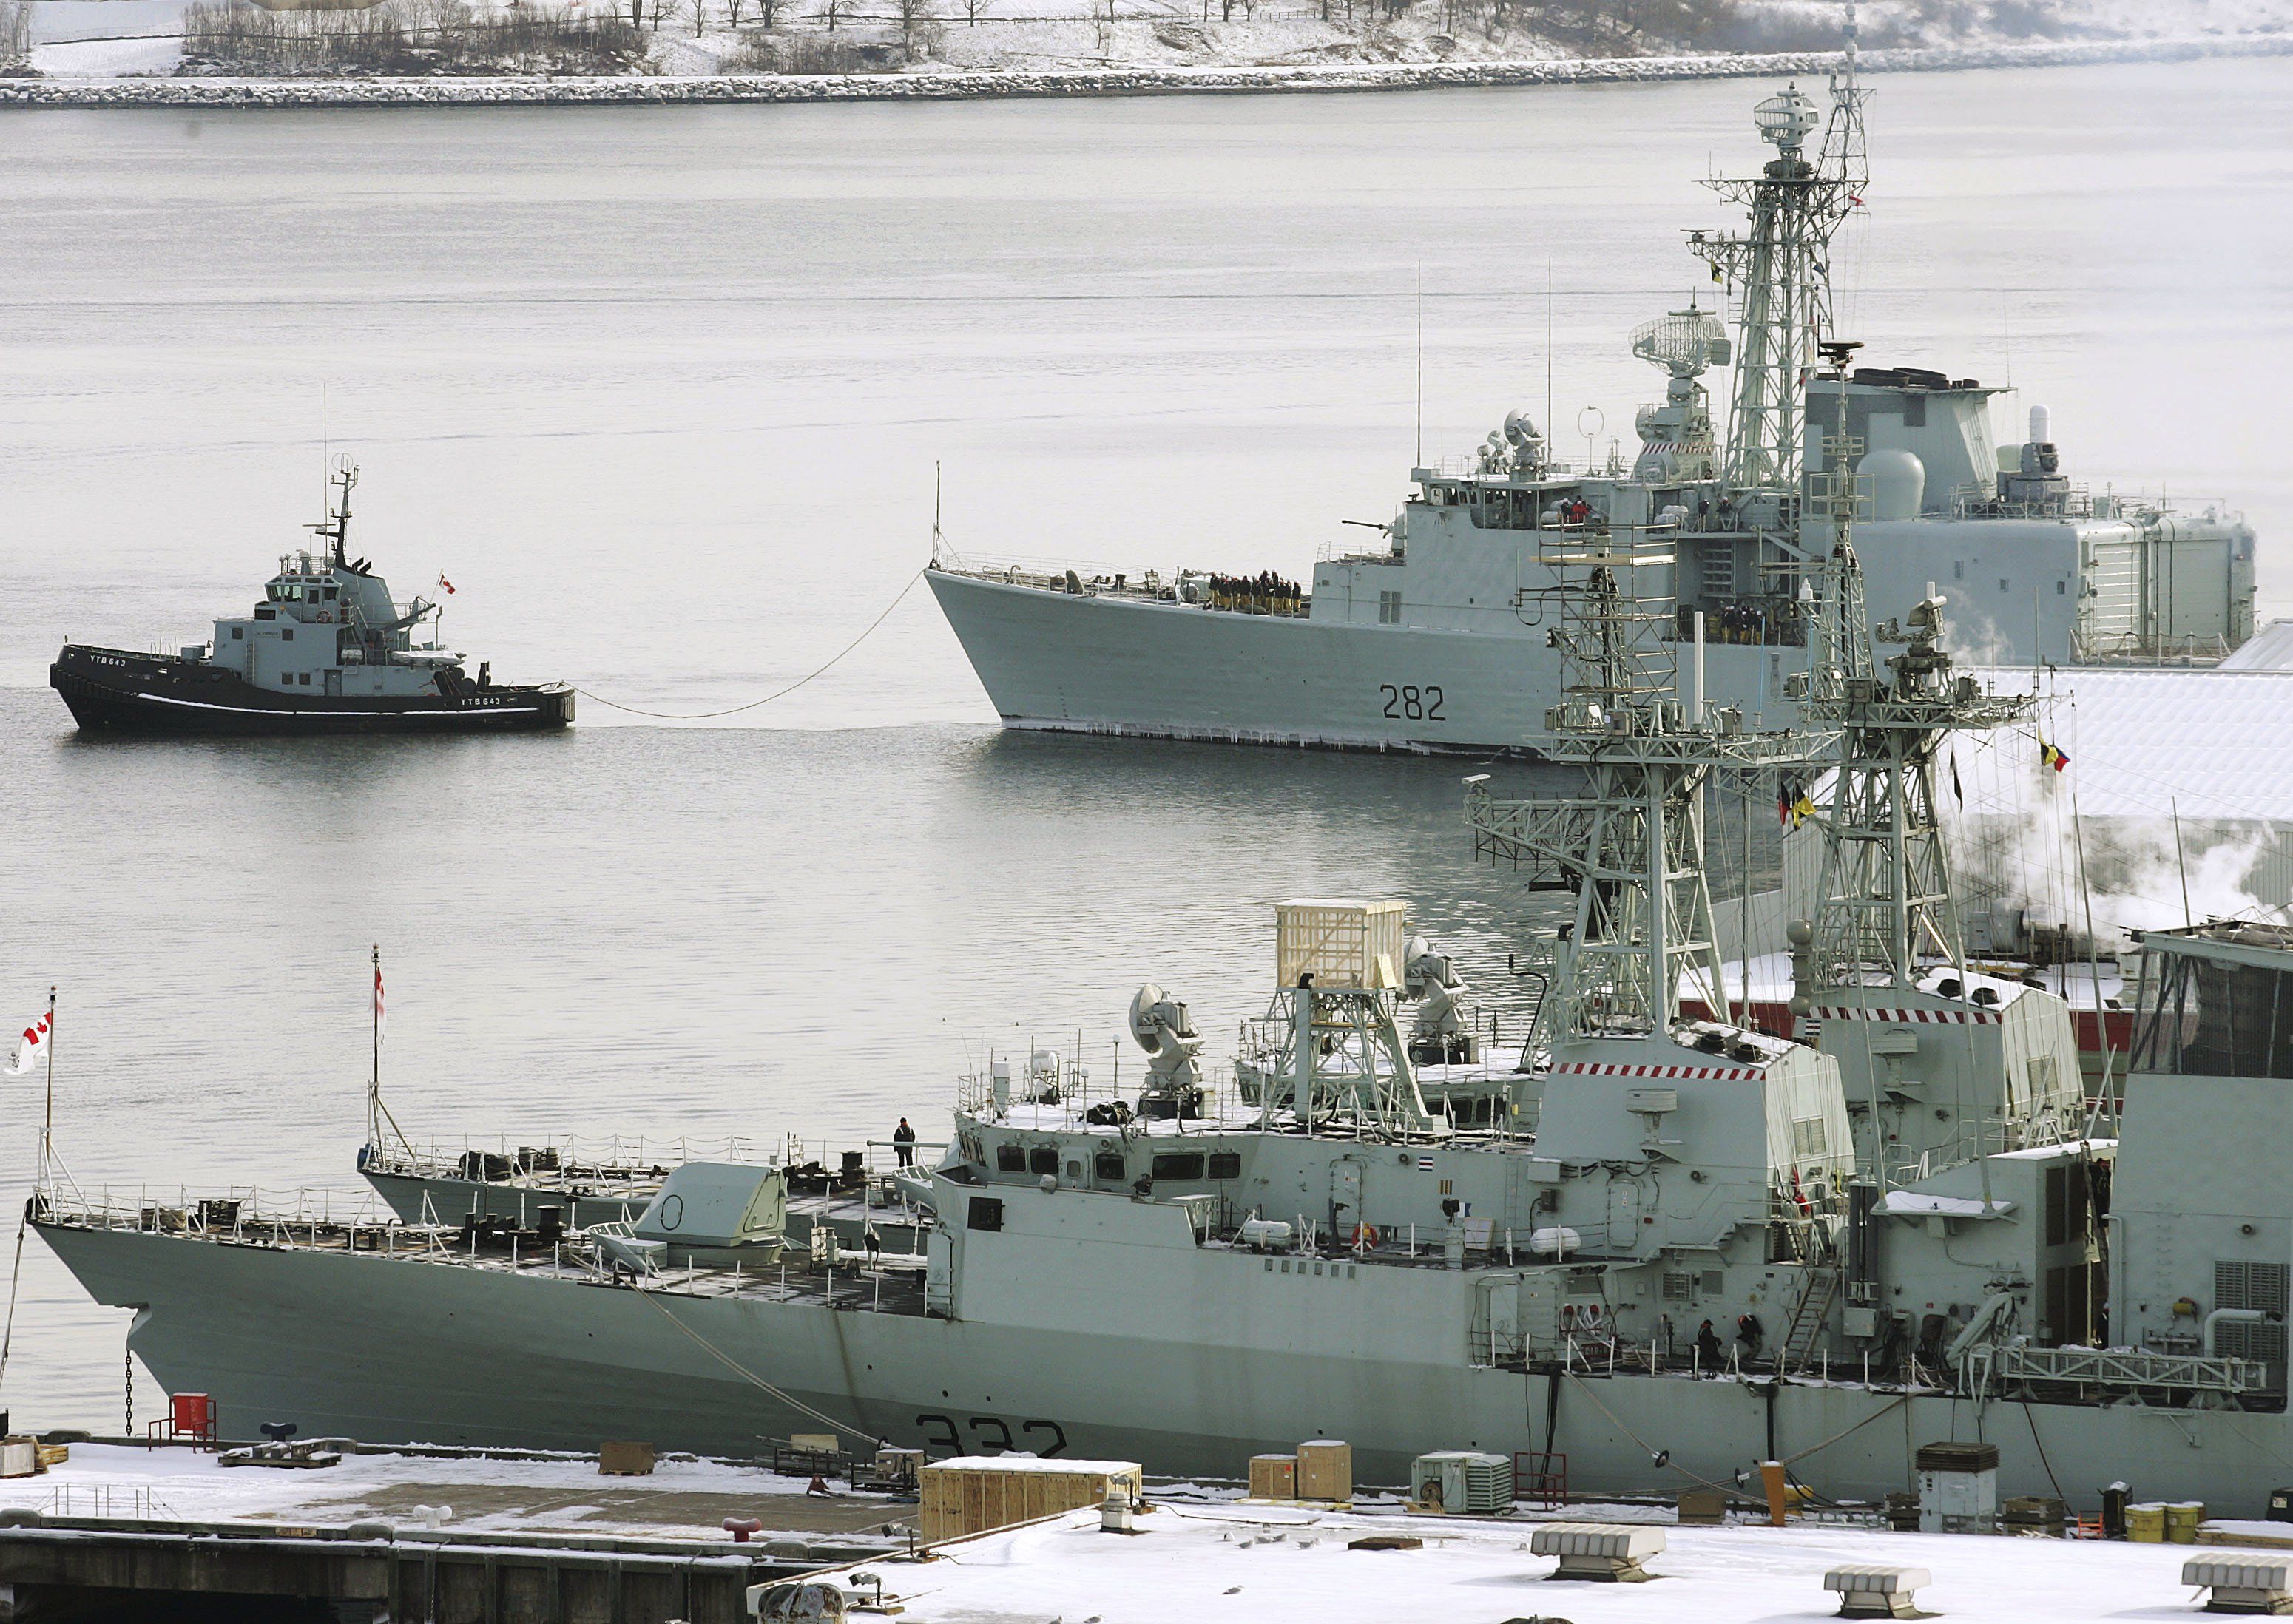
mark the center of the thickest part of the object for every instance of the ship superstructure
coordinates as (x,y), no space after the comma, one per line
(1440,638)
(328,649)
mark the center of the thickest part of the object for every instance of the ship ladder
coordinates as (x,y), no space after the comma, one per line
(1808,1320)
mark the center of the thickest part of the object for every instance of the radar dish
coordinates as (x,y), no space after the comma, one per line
(1785,121)
(1683,342)
(1144,1026)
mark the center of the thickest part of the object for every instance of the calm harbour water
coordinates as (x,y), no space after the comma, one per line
(662,391)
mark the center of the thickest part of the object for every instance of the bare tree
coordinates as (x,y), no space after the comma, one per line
(973,9)
(834,9)
(913,15)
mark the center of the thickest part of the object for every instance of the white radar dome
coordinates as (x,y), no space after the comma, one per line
(1899,482)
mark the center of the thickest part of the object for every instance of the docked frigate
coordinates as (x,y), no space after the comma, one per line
(327,650)
(1437,640)
(1652,1253)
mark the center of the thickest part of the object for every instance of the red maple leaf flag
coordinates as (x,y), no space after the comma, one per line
(445,584)
(30,1048)
(378,1018)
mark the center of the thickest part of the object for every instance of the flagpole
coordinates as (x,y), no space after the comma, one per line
(48,1122)
(374,1079)
(39,1190)
(377,1114)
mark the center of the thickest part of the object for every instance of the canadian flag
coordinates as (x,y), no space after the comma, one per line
(379,1021)
(30,1048)
(445,585)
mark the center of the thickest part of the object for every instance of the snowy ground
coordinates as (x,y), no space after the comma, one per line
(683,1498)
(1196,1555)
(1280,1566)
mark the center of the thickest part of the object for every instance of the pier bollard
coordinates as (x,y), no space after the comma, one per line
(1771,1479)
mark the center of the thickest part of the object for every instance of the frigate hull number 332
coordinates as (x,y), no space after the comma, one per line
(1043,1438)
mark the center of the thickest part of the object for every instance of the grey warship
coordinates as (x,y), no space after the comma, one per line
(1923,1231)
(327,650)
(1437,640)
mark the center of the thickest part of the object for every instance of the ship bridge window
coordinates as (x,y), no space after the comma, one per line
(1044,1158)
(2206,1017)
(333,592)
(1108,1164)
(1179,1166)
(1010,1158)
(1226,1164)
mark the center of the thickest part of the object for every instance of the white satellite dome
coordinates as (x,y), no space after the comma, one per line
(1898,481)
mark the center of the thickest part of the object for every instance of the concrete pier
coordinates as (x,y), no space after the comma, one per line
(58,1567)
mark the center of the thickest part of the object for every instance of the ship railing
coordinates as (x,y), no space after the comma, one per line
(1050,574)
(1998,1133)
(240,1212)
(2012,1367)
(1064,1084)
(2189,649)
(572,1155)
(1973,501)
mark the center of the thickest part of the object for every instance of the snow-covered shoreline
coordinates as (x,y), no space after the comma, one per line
(965,85)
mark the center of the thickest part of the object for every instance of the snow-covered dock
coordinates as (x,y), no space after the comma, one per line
(1292,1565)
(447,1529)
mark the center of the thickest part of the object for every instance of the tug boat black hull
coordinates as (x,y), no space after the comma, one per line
(113,691)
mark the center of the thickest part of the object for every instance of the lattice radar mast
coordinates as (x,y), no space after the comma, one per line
(1631,847)
(1780,268)
(1885,904)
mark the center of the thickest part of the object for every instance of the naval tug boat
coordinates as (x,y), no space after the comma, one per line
(327,650)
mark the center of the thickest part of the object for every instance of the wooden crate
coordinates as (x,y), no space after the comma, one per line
(625,1458)
(1339,943)
(1325,1471)
(1273,1477)
(972,1494)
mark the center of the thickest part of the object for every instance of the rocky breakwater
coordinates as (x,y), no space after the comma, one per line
(944,85)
